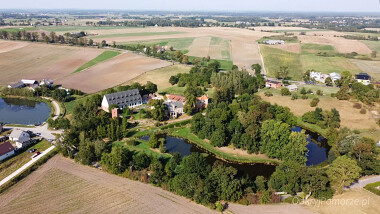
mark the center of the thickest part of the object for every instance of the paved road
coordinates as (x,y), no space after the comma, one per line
(364,181)
(11,176)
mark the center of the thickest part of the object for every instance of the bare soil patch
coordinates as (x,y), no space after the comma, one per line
(269,209)
(6,46)
(62,186)
(200,47)
(39,61)
(113,72)
(290,47)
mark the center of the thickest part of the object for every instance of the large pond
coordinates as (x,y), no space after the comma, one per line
(316,155)
(23,111)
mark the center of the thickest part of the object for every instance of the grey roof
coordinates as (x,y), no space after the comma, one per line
(124,98)
(18,84)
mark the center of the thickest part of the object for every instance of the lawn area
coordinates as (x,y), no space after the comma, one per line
(135,34)
(224,64)
(275,58)
(186,134)
(15,162)
(373,188)
(173,90)
(142,146)
(160,76)
(102,57)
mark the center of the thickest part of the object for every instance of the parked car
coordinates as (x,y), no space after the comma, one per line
(36,154)
(32,150)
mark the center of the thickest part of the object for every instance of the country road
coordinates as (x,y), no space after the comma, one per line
(18,171)
(364,181)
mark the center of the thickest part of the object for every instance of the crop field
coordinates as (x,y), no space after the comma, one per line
(62,186)
(160,76)
(370,67)
(102,57)
(81,28)
(112,72)
(373,45)
(39,61)
(275,58)
(177,44)
(135,34)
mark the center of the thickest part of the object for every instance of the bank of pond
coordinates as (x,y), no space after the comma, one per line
(317,154)
(23,111)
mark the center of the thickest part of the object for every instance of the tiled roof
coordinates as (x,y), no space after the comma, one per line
(124,98)
(5,148)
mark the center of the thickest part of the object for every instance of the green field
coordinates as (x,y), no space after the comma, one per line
(142,146)
(224,64)
(173,90)
(307,60)
(102,57)
(16,29)
(135,34)
(373,45)
(15,162)
(223,45)
(177,43)
(275,58)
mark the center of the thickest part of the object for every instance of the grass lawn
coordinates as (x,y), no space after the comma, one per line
(224,64)
(102,57)
(135,34)
(142,146)
(176,43)
(15,162)
(373,188)
(275,58)
(160,76)
(173,90)
(186,134)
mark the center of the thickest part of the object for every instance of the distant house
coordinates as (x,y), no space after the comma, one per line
(18,84)
(273,84)
(292,88)
(30,83)
(335,76)
(176,98)
(6,150)
(174,108)
(47,82)
(363,78)
(318,76)
(21,138)
(274,42)
(123,99)
(202,102)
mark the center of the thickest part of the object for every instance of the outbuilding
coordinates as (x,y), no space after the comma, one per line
(6,150)
(123,99)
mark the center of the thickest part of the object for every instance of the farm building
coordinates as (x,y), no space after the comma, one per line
(6,150)
(318,76)
(292,88)
(30,83)
(18,84)
(123,99)
(363,78)
(21,138)
(273,84)
(48,82)
(274,42)
(335,76)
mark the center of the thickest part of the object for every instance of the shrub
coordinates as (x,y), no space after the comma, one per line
(132,142)
(303,91)
(357,105)
(265,197)
(268,94)
(294,96)
(309,91)
(314,102)
(305,97)
(285,92)
(373,188)
(293,200)
(363,111)
(324,195)
(319,92)
(333,94)
(356,131)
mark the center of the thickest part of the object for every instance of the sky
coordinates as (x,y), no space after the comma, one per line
(200,5)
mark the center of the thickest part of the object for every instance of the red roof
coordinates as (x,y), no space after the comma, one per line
(5,148)
(177,98)
(203,98)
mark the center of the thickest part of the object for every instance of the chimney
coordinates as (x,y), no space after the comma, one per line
(115,113)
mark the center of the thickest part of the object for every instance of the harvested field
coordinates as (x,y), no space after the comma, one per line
(350,117)
(370,67)
(160,76)
(200,47)
(342,45)
(110,73)
(290,47)
(39,61)
(269,209)
(6,46)
(62,186)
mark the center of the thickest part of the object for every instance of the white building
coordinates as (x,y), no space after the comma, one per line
(6,150)
(21,138)
(318,76)
(274,42)
(48,82)
(335,76)
(363,78)
(292,88)
(123,99)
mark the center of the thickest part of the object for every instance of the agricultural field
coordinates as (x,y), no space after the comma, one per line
(62,186)
(135,34)
(177,44)
(373,45)
(350,116)
(38,61)
(370,67)
(112,72)
(15,162)
(102,57)
(160,76)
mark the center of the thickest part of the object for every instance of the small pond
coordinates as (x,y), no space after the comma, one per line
(23,111)
(317,154)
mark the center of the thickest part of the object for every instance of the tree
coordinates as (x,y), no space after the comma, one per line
(117,161)
(342,172)
(303,91)
(158,111)
(287,177)
(296,148)
(90,42)
(343,93)
(316,182)
(185,59)
(260,183)
(141,161)
(274,137)
(373,54)
(153,141)
(285,92)
(257,68)
(328,81)
(314,102)
(173,80)
(284,72)
(150,88)
(265,197)
(191,101)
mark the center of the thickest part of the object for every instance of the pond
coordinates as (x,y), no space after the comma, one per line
(23,111)
(317,154)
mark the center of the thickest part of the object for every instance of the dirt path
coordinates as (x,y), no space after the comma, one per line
(62,186)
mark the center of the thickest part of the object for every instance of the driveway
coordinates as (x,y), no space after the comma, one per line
(364,181)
